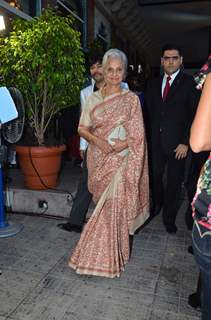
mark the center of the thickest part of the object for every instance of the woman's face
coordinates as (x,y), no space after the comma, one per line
(113,71)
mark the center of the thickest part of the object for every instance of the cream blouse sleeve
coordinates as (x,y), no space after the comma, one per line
(85,119)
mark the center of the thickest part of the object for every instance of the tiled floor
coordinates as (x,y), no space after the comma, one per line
(36,283)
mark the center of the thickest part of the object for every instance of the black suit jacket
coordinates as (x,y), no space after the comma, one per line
(169,121)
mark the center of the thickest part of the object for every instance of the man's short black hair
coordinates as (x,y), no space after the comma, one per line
(95,52)
(94,58)
(171,46)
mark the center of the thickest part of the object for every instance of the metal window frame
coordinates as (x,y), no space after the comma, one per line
(85,31)
(83,21)
(38,7)
(153,3)
(102,38)
(70,11)
(5,5)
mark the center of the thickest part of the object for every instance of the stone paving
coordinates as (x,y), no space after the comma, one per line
(36,283)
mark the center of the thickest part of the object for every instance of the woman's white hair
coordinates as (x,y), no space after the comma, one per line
(115,53)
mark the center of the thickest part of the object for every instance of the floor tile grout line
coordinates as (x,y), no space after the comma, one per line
(30,291)
(158,275)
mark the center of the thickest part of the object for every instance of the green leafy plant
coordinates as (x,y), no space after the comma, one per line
(44,60)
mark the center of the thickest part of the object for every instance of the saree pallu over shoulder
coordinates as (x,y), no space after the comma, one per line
(119,184)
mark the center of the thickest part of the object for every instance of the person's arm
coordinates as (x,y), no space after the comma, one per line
(85,129)
(193,95)
(192,101)
(92,139)
(200,137)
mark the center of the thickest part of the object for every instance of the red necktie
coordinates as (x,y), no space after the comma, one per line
(167,87)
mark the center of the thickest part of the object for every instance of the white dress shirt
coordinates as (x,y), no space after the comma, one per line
(84,95)
(173,76)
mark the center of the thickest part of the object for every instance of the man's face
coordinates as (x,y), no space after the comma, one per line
(96,72)
(171,61)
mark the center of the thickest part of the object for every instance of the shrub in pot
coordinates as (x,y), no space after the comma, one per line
(44,60)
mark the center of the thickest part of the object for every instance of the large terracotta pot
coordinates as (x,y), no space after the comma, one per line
(40,165)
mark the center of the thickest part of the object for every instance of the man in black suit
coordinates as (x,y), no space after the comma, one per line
(171,102)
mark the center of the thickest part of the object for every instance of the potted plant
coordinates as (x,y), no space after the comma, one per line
(44,60)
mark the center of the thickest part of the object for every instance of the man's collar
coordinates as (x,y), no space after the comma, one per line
(173,75)
(92,82)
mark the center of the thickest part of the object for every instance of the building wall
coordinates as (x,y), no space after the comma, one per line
(46,3)
(102,27)
(98,22)
(90,20)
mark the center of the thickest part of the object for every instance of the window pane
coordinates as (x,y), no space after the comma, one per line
(27,6)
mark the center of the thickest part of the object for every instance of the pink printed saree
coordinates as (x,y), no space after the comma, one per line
(118,182)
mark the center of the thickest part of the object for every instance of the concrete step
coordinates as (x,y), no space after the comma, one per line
(54,202)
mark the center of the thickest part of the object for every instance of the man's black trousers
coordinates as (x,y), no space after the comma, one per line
(82,200)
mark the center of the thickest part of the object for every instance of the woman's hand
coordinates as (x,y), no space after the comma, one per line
(103,145)
(119,145)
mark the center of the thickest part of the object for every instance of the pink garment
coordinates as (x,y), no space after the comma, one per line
(118,182)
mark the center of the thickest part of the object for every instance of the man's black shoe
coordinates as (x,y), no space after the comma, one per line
(194,301)
(171,228)
(70,227)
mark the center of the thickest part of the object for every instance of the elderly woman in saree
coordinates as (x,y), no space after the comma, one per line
(117,162)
